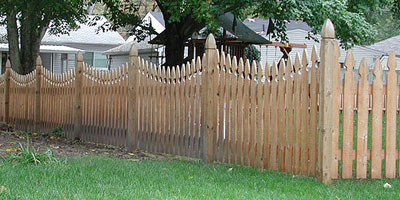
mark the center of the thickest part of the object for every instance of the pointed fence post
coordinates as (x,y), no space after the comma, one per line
(133,102)
(326,124)
(208,90)
(78,97)
(37,94)
(7,92)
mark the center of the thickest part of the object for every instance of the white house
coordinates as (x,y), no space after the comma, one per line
(48,53)
(297,32)
(59,55)
(119,55)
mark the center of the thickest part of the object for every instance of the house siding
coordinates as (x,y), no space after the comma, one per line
(270,53)
(71,61)
(119,60)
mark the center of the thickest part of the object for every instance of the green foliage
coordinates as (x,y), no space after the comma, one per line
(351,27)
(252,53)
(58,16)
(27,22)
(387,24)
(58,131)
(352,19)
(61,17)
(29,155)
(201,12)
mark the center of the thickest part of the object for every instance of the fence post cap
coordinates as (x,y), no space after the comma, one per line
(210,42)
(133,51)
(79,56)
(38,61)
(328,30)
(8,63)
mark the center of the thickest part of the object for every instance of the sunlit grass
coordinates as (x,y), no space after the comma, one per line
(111,178)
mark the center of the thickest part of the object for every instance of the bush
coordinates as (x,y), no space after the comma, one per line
(252,53)
(58,131)
(30,155)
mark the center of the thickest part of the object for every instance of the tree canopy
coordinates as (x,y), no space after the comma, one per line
(354,17)
(28,20)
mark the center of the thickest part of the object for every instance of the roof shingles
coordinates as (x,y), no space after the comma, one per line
(388,45)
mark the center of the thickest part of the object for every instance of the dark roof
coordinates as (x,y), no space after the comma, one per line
(241,31)
(159,16)
(388,45)
(256,24)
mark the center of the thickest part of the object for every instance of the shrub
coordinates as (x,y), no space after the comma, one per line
(252,53)
(30,155)
(58,131)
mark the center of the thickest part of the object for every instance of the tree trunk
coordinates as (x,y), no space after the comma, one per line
(32,30)
(176,34)
(174,46)
(13,47)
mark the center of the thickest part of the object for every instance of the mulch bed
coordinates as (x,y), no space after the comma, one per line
(10,140)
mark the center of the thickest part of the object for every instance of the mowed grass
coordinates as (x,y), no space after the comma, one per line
(111,178)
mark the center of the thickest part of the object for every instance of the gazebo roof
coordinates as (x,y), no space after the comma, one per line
(240,30)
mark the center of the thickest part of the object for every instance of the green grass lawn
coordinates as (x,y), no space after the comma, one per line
(111,178)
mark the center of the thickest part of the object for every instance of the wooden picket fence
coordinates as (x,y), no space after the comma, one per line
(295,116)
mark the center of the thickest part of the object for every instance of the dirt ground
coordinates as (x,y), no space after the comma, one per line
(10,141)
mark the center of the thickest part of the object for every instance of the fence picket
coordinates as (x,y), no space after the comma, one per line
(252,117)
(259,117)
(290,117)
(221,109)
(348,116)
(240,113)
(304,114)
(313,112)
(246,110)
(297,115)
(267,116)
(391,112)
(235,123)
(281,115)
(336,114)
(228,99)
(274,118)
(362,122)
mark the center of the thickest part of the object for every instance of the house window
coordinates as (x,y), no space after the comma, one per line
(88,58)
(97,60)
(64,62)
(100,61)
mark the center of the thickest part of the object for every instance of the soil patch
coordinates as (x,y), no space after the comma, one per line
(10,140)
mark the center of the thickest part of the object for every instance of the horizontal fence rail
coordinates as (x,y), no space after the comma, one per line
(292,116)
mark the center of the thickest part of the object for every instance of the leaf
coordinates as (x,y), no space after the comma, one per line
(3,188)
(12,149)
(387,186)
